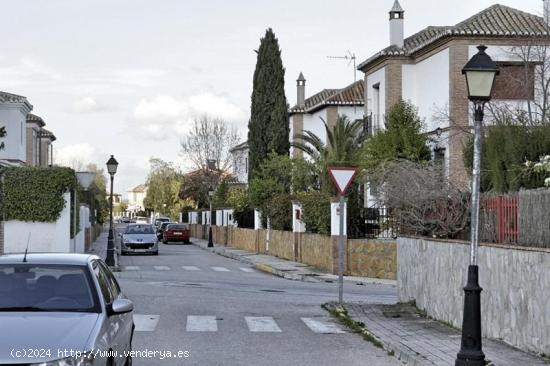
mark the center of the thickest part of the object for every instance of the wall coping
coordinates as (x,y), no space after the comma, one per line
(490,245)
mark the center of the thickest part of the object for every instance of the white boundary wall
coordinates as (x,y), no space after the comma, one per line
(45,236)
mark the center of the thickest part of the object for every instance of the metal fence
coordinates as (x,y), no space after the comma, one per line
(521,218)
(375,222)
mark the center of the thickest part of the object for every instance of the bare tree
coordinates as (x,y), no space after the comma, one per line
(209,139)
(424,201)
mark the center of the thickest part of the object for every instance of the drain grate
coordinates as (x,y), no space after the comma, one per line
(269,290)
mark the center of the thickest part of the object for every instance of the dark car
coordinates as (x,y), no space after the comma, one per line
(162,227)
(176,233)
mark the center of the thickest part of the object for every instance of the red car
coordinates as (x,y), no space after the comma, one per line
(176,232)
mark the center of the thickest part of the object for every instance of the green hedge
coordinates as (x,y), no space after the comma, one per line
(316,211)
(35,194)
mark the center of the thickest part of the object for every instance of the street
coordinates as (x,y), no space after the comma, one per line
(224,312)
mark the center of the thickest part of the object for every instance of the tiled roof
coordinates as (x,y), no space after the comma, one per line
(140,188)
(11,98)
(350,95)
(33,118)
(495,21)
(47,134)
(241,146)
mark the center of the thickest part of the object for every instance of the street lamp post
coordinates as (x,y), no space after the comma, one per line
(480,74)
(210,195)
(112,166)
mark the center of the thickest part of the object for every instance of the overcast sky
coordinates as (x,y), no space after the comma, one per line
(127,77)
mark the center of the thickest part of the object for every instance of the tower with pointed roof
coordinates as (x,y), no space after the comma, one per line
(397,18)
(301,90)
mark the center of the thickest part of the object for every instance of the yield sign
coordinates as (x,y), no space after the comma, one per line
(342,177)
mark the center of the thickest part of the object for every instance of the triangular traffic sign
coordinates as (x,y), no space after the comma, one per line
(342,177)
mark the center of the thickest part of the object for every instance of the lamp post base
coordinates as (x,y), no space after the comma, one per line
(210,242)
(471,353)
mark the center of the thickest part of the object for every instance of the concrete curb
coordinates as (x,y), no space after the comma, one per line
(392,348)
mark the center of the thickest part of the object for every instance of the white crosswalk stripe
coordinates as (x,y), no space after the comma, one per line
(201,323)
(220,269)
(261,324)
(161,268)
(190,268)
(145,322)
(131,268)
(323,325)
(246,269)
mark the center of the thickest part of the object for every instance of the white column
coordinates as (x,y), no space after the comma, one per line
(335,218)
(257,220)
(298,225)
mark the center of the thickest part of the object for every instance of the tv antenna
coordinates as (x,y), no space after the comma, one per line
(350,57)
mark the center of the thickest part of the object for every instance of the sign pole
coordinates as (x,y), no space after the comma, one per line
(341,253)
(342,177)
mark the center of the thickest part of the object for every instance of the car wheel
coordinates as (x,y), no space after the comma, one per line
(156,253)
(165,242)
(128,361)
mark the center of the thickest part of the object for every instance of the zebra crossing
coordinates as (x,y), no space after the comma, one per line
(186,268)
(255,324)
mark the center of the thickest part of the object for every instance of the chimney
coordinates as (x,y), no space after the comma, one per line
(301,90)
(397,16)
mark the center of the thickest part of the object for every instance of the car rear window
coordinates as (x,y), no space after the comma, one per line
(177,227)
(33,287)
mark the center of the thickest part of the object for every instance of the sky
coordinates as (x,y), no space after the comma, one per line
(128,77)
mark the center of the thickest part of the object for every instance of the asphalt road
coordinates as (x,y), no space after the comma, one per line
(224,312)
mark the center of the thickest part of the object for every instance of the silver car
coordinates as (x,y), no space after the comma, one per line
(139,238)
(62,309)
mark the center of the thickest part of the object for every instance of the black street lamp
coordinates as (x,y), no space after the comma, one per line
(210,195)
(480,74)
(112,166)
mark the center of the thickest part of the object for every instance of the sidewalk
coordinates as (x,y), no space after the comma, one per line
(417,340)
(284,268)
(99,248)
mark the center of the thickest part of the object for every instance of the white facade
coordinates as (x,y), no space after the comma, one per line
(13,117)
(240,163)
(135,199)
(426,85)
(44,236)
(376,94)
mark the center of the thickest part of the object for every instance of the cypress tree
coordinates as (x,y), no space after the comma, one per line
(268,129)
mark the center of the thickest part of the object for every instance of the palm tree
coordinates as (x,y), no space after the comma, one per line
(343,144)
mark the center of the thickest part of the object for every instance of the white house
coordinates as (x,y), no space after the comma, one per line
(239,155)
(39,142)
(308,113)
(136,196)
(426,69)
(13,116)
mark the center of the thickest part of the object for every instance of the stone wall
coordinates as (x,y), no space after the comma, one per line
(515,302)
(372,258)
(316,250)
(366,258)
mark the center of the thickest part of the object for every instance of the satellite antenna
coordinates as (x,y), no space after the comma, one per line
(350,57)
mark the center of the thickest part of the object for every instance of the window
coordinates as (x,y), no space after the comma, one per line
(103,281)
(515,81)
(113,283)
(439,156)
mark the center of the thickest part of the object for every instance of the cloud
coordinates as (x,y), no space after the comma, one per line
(165,116)
(87,105)
(75,156)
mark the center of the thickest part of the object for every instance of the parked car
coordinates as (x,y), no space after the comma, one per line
(176,233)
(139,238)
(142,220)
(160,220)
(52,302)
(162,227)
